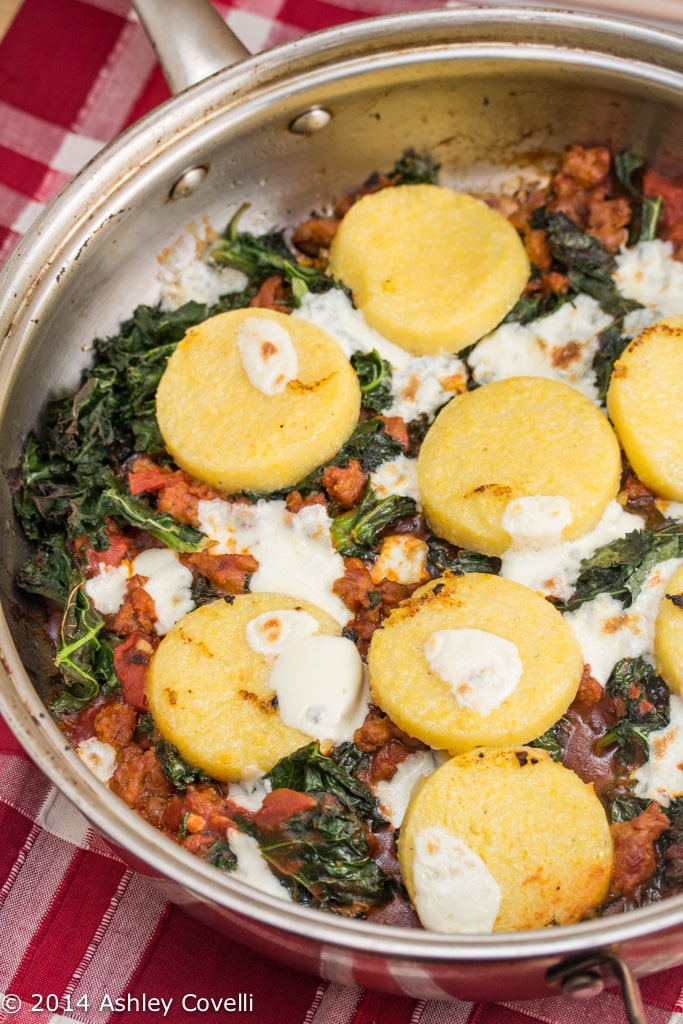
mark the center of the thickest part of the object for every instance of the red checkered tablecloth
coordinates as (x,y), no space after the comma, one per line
(83,938)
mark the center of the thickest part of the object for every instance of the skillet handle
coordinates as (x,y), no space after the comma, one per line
(586,976)
(190,39)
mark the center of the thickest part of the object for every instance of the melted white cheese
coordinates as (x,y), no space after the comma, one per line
(100,757)
(402,559)
(320,687)
(270,632)
(251,866)
(294,550)
(608,632)
(454,890)
(268,356)
(394,794)
(420,384)
(166,580)
(249,792)
(649,274)
(168,583)
(560,346)
(536,521)
(553,570)
(482,669)
(661,777)
(396,476)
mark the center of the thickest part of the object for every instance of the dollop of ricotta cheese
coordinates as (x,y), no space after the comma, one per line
(100,757)
(320,687)
(454,890)
(268,355)
(482,669)
(536,520)
(167,581)
(271,632)
(661,777)
(252,868)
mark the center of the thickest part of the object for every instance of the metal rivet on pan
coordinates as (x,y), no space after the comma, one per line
(188,182)
(583,985)
(310,121)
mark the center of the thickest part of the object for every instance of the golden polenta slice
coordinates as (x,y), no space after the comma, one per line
(474,660)
(644,401)
(540,832)
(669,634)
(431,269)
(525,437)
(224,429)
(209,691)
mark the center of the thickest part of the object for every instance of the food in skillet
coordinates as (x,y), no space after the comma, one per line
(306,578)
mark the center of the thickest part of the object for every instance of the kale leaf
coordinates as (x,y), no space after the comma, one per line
(646,708)
(261,256)
(374,379)
(308,770)
(134,512)
(221,856)
(554,740)
(84,658)
(621,567)
(355,533)
(411,169)
(322,855)
(648,209)
(175,768)
(444,557)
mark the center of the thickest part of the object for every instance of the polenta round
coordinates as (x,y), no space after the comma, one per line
(521,437)
(669,634)
(524,838)
(482,700)
(431,269)
(224,430)
(644,401)
(209,691)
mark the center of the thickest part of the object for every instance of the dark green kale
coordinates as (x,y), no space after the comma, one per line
(621,567)
(221,856)
(356,533)
(648,209)
(175,768)
(64,470)
(262,256)
(645,699)
(322,855)
(624,806)
(137,513)
(308,770)
(411,169)
(554,740)
(84,658)
(533,307)
(370,445)
(444,557)
(374,379)
(612,343)
(584,259)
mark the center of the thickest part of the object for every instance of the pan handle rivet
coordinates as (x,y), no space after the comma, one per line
(583,985)
(310,121)
(188,182)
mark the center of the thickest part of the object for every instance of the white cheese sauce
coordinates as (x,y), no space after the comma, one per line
(249,793)
(252,868)
(536,521)
(270,632)
(661,777)
(420,384)
(294,550)
(482,669)
(454,890)
(649,274)
(394,794)
(608,632)
(98,756)
(553,570)
(402,559)
(396,476)
(268,355)
(321,687)
(167,581)
(560,346)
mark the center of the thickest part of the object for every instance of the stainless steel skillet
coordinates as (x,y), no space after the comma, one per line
(494,94)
